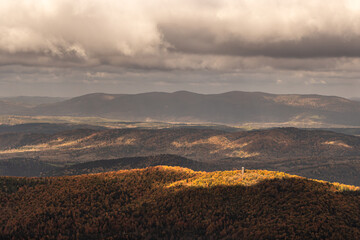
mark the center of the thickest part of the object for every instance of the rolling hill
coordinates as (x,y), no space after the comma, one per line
(312,153)
(200,144)
(177,203)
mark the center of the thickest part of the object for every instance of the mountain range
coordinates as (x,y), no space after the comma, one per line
(97,167)
(230,108)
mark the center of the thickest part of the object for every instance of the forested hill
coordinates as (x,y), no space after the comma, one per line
(311,153)
(177,203)
(200,144)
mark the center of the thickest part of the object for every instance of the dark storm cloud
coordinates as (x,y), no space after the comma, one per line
(170,42)
(312,46)
(126,32)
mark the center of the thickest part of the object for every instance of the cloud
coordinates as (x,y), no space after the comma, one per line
(118,32)
(288,29)
(222,42)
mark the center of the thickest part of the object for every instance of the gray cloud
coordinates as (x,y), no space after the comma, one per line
(100,32)
(166,44)
(313,46)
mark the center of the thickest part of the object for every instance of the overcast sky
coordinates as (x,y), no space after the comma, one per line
(69,48)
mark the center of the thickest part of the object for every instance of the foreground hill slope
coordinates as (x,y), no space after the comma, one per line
(169,202)
(230,108)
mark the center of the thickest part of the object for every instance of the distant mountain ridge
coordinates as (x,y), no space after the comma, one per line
(11,108)
(229,108)
(31,101)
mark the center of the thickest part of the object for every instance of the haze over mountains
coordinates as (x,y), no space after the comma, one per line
(229,108)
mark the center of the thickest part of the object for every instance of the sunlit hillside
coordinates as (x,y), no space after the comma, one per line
(177,203)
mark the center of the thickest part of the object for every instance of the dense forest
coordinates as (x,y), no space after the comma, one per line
(178,203)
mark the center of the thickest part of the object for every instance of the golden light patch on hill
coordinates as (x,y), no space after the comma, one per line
(108,97)
(204,179)
(125,141)
(338,143)
(220,143)
(39,147)
(77,144)
(51,145)
(250,177)
(228,178)
(242,154)
(63,142)
(28,148)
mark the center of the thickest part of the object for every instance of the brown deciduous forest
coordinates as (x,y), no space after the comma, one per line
(177,203)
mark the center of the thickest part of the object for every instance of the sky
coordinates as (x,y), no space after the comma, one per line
(68,48)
